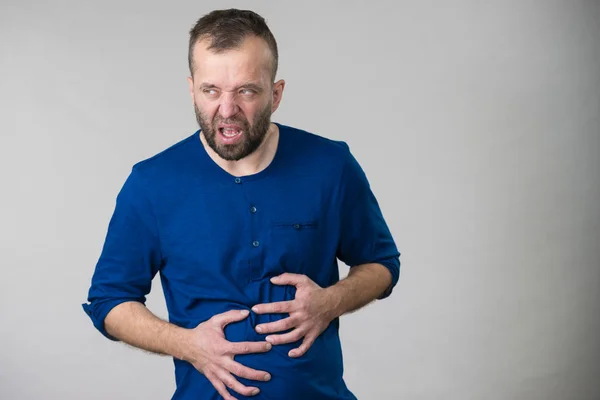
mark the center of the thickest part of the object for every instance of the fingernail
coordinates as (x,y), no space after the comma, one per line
(255,392)
(267,377)
(268,346)
(259,329)
(292,353)
(244,312)
(269,339)
(255,309)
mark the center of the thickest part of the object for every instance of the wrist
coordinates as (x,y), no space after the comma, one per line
(334,302)
(178,342)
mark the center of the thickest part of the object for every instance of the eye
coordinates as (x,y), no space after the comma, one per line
(210,92)
(247,92)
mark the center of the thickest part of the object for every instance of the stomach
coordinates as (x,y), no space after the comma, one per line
(318,374)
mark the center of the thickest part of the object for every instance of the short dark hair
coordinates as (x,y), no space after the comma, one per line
(227,29)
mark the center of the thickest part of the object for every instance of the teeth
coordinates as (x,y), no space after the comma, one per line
(228,132)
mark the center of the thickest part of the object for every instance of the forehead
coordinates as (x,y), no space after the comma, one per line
(251,61)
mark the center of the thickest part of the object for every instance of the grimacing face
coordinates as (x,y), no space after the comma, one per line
(234,97)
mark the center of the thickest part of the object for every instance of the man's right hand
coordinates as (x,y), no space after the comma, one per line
(212,355)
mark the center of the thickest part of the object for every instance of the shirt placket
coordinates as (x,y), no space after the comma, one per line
(255,237)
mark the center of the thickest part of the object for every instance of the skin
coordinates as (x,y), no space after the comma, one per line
(235,87)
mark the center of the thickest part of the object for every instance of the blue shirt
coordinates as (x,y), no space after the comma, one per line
(216,240)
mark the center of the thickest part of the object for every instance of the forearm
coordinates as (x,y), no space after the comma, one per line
(364,284)
(132,323)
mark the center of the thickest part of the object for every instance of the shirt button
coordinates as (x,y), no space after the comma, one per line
(253,209)
(297,226)
(255,243)
(238,180)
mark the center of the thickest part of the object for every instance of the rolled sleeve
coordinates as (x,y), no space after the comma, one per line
(365,237)
(130,257)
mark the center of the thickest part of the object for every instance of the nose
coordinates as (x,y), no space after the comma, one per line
(228,106)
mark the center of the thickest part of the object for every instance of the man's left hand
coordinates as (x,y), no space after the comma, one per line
(309,313)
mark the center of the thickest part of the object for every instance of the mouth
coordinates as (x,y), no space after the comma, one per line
(230,134)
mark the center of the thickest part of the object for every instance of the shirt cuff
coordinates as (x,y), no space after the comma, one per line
(98,310)
(393,265)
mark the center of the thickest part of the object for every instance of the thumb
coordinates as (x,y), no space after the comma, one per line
(288,279)
(228,317)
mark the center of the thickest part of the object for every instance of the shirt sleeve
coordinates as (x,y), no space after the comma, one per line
(130,257)
(365,236)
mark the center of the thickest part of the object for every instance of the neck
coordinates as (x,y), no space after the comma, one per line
(253,163)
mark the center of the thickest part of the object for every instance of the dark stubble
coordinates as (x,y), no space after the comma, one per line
(253,136)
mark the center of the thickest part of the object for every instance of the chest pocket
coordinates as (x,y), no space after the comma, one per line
(300,225)
(296,244)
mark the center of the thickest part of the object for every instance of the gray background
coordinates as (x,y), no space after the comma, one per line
(478,124)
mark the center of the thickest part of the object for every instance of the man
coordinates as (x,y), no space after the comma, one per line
(244,221)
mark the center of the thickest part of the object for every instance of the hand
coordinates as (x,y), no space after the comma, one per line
(309,313)
(212,355)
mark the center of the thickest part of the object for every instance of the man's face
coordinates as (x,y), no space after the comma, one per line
(234,97)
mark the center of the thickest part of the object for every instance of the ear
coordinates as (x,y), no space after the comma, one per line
(277,94)
(191,83)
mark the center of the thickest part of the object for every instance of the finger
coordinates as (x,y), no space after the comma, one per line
(275,308)
(248,347)
(306,344)
(288,278)
(228,317)
(220,387)
(277,326)
(235,385)
(244,372)
(289,337)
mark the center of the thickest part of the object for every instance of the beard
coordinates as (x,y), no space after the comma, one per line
(253,135)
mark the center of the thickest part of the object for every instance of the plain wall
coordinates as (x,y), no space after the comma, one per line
(477,123)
